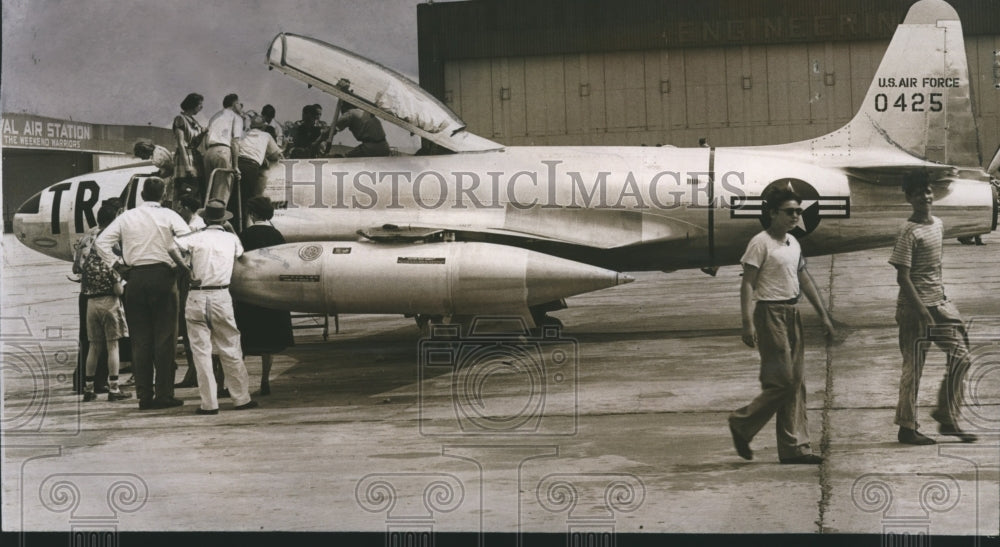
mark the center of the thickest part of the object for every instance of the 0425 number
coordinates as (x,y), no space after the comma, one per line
(918,102)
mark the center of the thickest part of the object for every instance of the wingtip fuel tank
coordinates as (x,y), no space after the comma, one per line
(445,278)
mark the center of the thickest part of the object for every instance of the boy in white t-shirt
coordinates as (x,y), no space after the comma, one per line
(773,272)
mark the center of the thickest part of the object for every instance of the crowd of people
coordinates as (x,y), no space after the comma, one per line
(163,268)
(242,144)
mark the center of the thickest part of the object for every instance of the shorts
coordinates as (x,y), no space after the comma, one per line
(105,319)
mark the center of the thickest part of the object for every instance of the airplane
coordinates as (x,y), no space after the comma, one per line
(482,228)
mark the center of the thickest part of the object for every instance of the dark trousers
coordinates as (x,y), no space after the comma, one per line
(249,187)
(151,312)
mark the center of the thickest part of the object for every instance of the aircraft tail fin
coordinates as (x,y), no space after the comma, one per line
(920,99)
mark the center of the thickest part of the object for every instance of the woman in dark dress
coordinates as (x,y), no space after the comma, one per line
(263,331)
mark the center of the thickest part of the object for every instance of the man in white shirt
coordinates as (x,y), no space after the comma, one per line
(146,235)
(256,148)
(209,309)
(775,275)
(279,134)
(222,145)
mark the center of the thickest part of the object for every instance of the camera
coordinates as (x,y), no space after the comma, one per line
(497,382)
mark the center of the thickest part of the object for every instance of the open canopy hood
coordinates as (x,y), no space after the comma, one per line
(374,88)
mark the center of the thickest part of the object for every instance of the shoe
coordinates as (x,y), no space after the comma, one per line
(101,389)
(222,393)
(955,431)
(119,395)
(204,412)
(186,383)
(156,404)
(914,437)
(89,396)
(742,446)
(807,459)
(248,406)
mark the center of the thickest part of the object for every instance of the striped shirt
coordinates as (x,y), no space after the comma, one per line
(918,247)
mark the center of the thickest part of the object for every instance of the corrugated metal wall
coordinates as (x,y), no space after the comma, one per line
(732,95)
(653,72)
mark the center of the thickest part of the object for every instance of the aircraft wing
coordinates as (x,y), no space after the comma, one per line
(373,88)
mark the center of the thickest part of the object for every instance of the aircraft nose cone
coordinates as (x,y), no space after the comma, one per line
(34,232)
(625,278)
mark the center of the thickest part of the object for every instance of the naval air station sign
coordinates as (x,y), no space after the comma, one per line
(27,131)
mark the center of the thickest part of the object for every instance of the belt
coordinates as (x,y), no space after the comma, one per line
(210,288)
(151,266)
(791,301)
(216,144)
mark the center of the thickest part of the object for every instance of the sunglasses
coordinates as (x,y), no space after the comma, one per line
(792,211)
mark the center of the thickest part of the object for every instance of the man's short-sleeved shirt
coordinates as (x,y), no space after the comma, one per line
(225,126)
(919,247)
(778,264)
(213,251)
(162,157)
(146,234)
(257,145)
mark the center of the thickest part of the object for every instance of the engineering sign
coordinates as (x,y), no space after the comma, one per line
(814,206)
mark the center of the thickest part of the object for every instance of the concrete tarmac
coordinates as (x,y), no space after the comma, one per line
(617,424)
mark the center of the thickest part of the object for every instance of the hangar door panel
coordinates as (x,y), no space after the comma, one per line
(475,95)
(624,82)
(788,76)
(705,77)
(545,95)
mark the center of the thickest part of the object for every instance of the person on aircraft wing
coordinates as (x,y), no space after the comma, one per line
(257,148)
(922,309)
(209,308)
(145,149)
(278,133)
(774,273)
(366,128)
(188,161)
(222,143)
(306,134)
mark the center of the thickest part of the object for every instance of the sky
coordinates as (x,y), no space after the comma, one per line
(131,62)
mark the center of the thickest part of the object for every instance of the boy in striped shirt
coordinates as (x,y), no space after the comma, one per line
(924,314)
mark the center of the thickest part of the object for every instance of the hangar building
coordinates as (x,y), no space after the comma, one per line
(40,151)
(632,72)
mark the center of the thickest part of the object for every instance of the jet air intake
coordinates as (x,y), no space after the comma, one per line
(451,278)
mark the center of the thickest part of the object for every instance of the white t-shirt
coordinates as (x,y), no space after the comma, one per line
(778,264)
